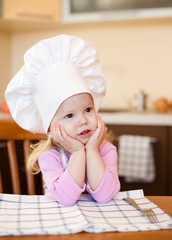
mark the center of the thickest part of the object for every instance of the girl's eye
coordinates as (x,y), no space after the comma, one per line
(88,109)
(70,115)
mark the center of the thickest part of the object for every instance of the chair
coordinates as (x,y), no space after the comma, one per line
(9,133)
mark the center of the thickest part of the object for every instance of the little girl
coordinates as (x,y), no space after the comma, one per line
(58,92)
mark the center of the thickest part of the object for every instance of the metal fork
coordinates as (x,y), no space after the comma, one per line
(149,213)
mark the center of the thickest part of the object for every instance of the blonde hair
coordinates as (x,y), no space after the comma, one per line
(36,149)
(42,146)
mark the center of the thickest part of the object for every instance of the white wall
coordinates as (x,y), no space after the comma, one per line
(4,62)
(133,55)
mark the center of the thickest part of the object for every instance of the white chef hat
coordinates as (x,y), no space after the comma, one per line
(54,69)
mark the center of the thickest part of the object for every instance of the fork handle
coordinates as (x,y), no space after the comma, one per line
(132,202)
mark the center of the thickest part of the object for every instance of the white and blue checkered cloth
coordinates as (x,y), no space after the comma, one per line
(136,158)
(40,215)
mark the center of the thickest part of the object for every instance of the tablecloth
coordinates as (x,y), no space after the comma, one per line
(40,215)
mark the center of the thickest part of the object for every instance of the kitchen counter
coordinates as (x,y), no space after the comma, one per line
(133,118)
(126,118)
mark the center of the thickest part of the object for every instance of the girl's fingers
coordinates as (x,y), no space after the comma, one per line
(101,127)
(56,134)
(104,128)
(63,133)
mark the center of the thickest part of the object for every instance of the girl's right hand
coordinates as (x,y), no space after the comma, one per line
(65,141)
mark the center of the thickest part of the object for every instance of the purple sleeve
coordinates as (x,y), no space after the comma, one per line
(58,180)
(110,184)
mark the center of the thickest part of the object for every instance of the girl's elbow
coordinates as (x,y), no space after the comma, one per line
(62,198)
(109,196)
(68,203)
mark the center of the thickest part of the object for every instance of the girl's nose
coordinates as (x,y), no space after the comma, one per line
(83,120)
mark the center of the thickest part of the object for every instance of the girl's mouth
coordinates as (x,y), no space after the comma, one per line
(85,133)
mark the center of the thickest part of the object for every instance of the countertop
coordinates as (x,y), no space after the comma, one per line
(127,118)
(148,118)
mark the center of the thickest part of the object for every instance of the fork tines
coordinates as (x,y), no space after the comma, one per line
(150,214)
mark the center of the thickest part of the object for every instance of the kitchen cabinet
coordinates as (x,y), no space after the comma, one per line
(22,15)
(31,10)
(162,155)
(170,162)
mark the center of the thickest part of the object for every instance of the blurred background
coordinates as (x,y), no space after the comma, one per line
(133,39)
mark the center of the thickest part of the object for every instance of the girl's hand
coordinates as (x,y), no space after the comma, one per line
(98,136)
(65,141)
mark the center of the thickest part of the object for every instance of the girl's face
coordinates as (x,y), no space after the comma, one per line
(77,116)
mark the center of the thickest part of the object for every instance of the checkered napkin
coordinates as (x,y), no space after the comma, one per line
(40,215)
(136,158)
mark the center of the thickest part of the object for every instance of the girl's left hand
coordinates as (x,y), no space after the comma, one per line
(98,136)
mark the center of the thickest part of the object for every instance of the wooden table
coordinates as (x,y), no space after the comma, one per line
(164,202)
